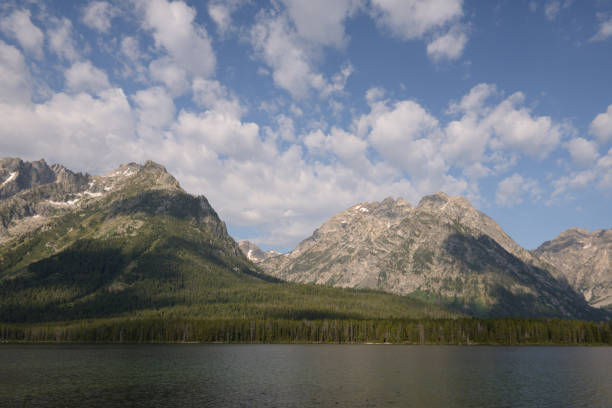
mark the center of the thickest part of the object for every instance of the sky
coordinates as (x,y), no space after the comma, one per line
(286,112)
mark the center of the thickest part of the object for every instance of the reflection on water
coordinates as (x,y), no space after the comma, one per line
(304,376)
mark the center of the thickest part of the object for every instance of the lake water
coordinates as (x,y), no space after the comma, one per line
(194,375)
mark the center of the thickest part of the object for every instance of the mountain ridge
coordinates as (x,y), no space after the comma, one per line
(441,249)
(132,244)
(584,259)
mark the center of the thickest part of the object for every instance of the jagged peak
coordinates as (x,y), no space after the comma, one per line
(151,165)
(583,232)
(574,231)
(440,201)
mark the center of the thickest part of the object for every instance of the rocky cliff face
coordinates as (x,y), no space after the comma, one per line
(442,250)
(254,253)
(37,197)
(585,260)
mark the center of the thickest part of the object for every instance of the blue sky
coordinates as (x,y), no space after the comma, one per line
(286,112)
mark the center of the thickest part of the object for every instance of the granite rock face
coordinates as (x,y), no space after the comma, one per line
(585,259)
(34,195)
(443,250)
(254,253)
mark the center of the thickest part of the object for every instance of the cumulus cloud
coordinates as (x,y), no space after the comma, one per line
(573,181)
(488,135)
(98,15)
(155,111)
(19,26)
(84,77)
(220,11)
(212,94)
(448,46)
(583,152)
(599,174)
(176,32)
(411,19)
(80,131)
(514,127)
(221,15)
(61,40)
(291,58)
(512,190)
(131,48)
(322,21)
(166,71)
(601,126)
(14,76)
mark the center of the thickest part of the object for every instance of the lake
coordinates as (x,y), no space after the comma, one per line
(197,375)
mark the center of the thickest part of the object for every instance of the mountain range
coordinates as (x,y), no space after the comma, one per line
(134,243)
(443,249)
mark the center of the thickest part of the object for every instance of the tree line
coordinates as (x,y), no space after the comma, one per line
(463,331)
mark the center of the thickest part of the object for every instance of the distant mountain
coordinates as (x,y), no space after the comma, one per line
(133,244)
(254,253)
(443,250)
(585,260)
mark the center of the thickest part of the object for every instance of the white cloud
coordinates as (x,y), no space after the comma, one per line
(474,101)
(166,71)
(514,127)
(98,15)
(212,95)
(291,58)
(347,147)
(604,168)
(408,138)
(61,40)
(175,31)
(574,181)
(14,74)
(583,152)
(601,126)
(493,134)
(448,46)
(130,48)
(511,190)
(411,19)
(19,26)
(224,134)
(322,21)
(286,128)
(221,15)
(84,77)
(220,11)
(466,142)
(374,95)
(81,131)
(437,21)
(605,30)
(600,174)
(155,110)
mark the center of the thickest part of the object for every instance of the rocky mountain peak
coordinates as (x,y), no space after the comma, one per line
(17,175)
(440,202)
(151,175)
(585,259)
(443,248)
(254,253)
